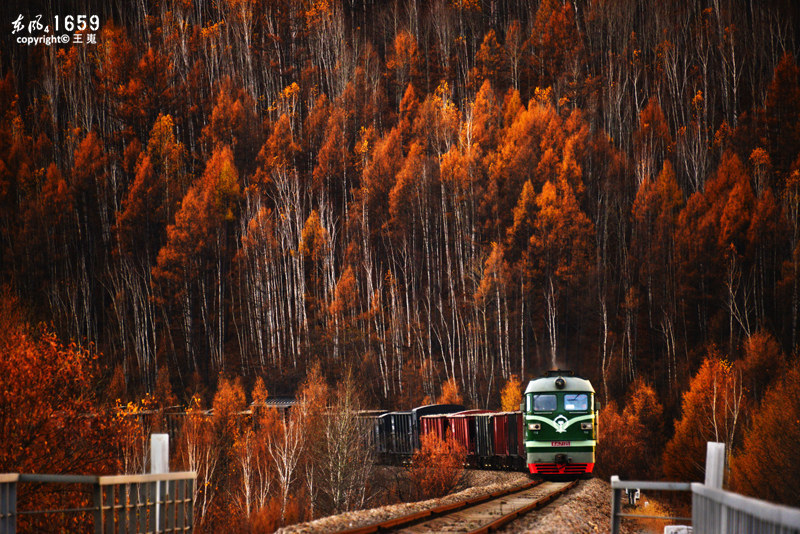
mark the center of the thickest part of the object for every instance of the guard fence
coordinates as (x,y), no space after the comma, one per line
(714,511)
(122,503)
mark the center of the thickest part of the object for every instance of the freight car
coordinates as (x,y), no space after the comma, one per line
(396,434)
(560,424)
(491,440)
(509,441)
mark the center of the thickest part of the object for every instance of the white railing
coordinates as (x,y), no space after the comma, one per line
(714,510)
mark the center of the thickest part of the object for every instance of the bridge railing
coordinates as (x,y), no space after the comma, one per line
(122,503)
(714,511)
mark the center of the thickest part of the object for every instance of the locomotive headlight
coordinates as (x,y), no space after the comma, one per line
(586,426)
(534,426)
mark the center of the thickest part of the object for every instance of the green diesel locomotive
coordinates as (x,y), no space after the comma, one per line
(560,418)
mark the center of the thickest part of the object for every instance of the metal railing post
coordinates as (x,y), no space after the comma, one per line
(97,501)
(8,503)
(616,496)
(189,500)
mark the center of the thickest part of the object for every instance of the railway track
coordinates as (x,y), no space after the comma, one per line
(477,515)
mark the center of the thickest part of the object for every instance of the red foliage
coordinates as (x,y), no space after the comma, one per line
(50,421)
(450,393)
(766,466)
(762,363)
(511,394)
(437,467)
(711,411)
(451,227)
(631,439)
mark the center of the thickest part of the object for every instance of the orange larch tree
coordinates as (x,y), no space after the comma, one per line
(492,293)
(511,394)
(763,360)
(555,45)
(782,110)
(764,467)
(490,63)
(343,308)
(160,179)
(631,439)
(234,122)
(652,257)
(403,62)
(711,410)
(561,245)
(228,425)
(450,393)
(193,262)
(712,251)
(652,141)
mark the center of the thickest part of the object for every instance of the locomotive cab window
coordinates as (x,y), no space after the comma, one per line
(576,402)
(544,403)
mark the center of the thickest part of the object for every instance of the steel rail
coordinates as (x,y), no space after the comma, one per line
(438,511)
(537,504)
(448,509)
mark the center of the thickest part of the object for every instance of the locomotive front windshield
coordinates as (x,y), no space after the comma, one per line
(549,402)
(576,402)
(544,403)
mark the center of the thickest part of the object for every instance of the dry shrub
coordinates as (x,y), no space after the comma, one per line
(268,518)
(437,467)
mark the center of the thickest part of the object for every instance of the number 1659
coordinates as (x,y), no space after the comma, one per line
(78,22)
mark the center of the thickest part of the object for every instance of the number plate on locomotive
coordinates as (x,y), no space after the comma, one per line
(559,443)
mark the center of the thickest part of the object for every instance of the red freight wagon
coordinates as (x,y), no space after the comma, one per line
(500,433)
(484,444)
(462,424)
(438,424)
(509,444)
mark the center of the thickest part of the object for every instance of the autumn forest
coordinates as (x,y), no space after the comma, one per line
(419,194)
